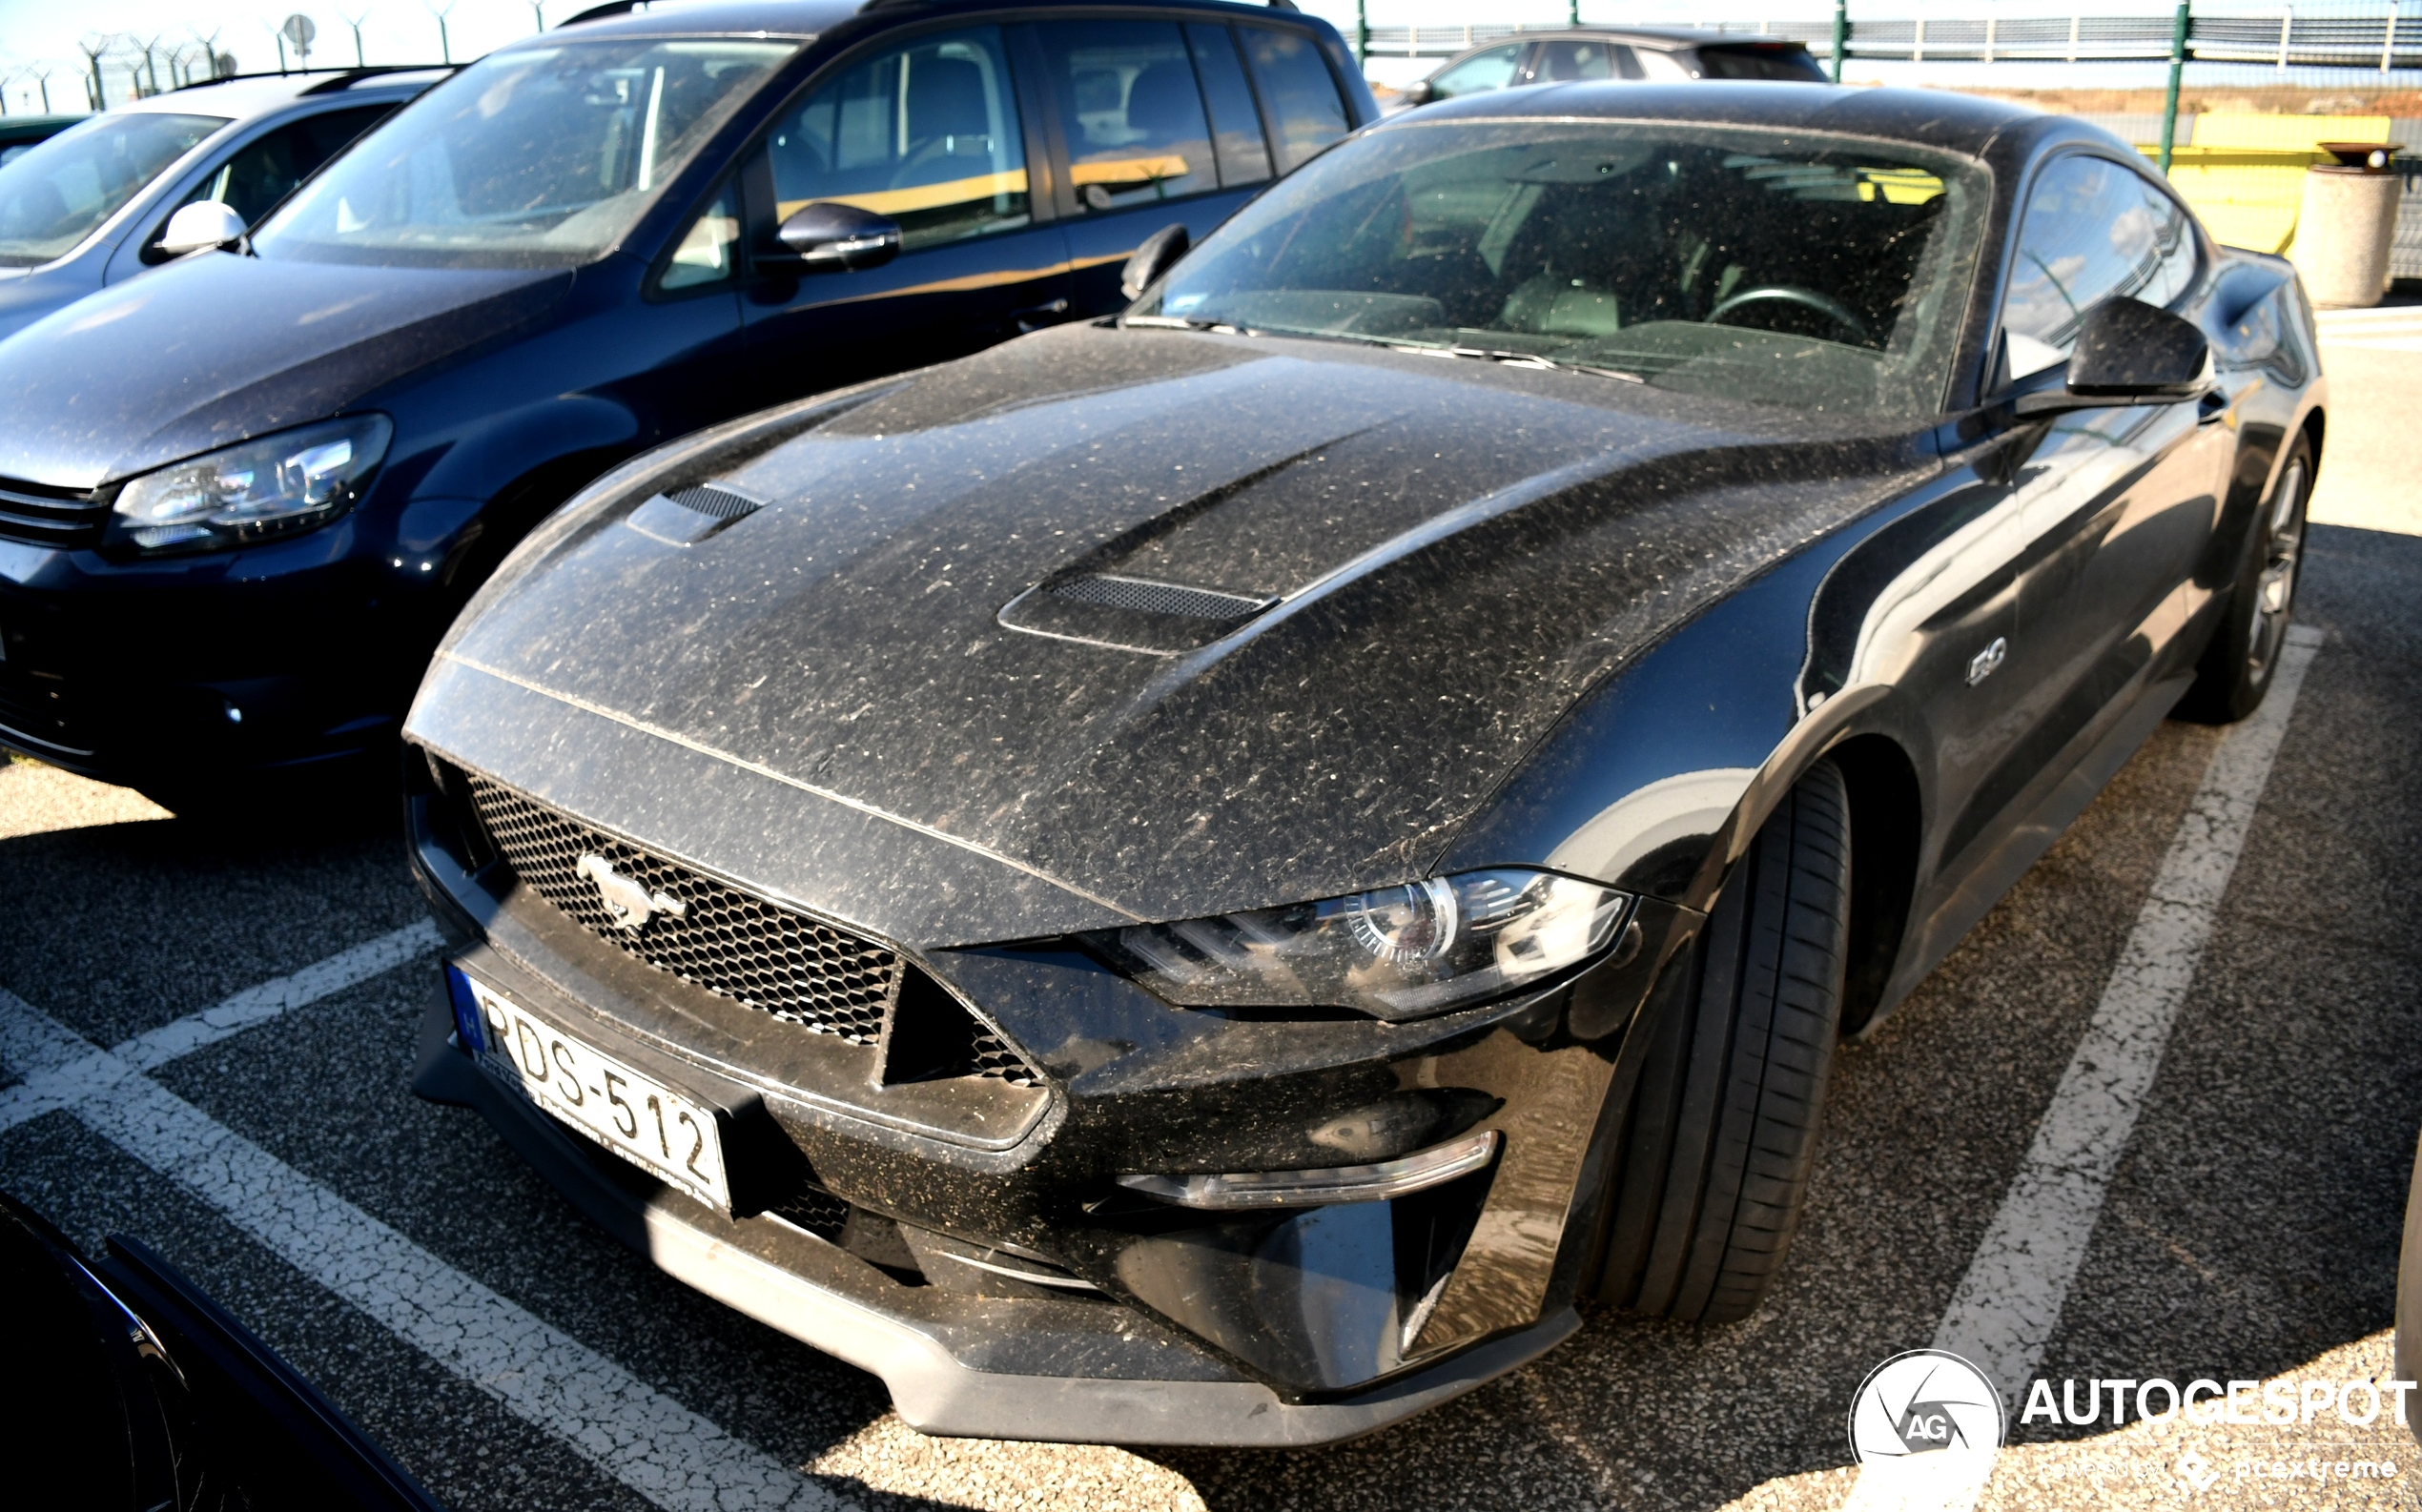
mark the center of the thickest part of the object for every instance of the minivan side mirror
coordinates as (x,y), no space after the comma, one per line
(827,238)
(1158,253)
(2128,352)
(203,223)
(1420,91)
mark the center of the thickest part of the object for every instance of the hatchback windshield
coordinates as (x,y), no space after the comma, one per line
(1816,271)
(536,156)
(55,194)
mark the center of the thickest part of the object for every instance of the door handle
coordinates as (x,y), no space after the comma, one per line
(2211,407)
(1036,316)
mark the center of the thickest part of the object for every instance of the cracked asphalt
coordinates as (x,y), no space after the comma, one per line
(2251,1231)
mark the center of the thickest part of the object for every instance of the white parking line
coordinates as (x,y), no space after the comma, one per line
(671,1456)
(2007,1305)
(43,1088)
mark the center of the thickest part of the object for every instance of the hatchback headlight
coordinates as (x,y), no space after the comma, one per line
(1395,953)
(293,480)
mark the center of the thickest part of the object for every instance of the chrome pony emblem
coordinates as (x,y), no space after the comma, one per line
(631,904)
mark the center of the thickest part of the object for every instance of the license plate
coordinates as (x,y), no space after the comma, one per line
(635,1116)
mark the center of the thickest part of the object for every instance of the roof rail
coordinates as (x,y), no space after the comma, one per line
(611,8)
(899,5)
(353,76)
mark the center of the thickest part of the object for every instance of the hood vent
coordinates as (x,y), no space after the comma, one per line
(691,515)
(1131,614)
(1147,597)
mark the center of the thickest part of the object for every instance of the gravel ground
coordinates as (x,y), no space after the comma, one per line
(2250,1233)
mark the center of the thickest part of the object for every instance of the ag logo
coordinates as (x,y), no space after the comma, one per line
(1926,1402)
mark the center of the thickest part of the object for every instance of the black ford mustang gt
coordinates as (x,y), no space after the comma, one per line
(1209,877)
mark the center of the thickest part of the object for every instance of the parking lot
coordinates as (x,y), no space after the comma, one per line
(258,990)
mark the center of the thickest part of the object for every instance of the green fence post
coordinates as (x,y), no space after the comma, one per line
(1361,31)
(1842,36)
(2177,67)
(1572,12)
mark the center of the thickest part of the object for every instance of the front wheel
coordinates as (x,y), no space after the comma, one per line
(2237,668)
(1708,1185)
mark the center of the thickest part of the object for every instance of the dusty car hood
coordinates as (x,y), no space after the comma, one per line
(1456,549)
(214,349)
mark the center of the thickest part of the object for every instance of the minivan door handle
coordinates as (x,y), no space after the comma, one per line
(1036,316)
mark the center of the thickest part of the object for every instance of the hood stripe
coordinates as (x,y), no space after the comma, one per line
(772,775)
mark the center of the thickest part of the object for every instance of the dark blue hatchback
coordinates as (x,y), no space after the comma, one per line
(242,495)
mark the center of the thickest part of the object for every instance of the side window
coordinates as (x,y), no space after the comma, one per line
(2095,229)
(1132,112)
(266,170)
(1297,86)
(1236,126)
(1560,62)
(706,251)
(1492,70)
(925,134)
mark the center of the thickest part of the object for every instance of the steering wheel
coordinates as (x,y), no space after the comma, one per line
(1824,304)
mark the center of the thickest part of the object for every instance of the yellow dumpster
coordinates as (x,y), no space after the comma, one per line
(2244,174)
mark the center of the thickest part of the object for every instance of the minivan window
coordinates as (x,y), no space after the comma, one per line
(539,156)
(58,193)
(927,134)
(1236,124)
(2095,229)
(1299,90)
(1131,110)
(1754,60)
(252,180)
(1562,62)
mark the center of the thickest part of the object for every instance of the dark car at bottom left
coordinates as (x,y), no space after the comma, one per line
(128,1389)
(242,494)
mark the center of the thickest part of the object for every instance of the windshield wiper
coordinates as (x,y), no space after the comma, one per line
(1179,322)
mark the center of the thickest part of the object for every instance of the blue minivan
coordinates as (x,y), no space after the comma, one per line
(241,495)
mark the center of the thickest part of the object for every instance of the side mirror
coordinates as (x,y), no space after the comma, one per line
(203,223)
(825,237)
(1158,253)
(2129,353)
(1420,91)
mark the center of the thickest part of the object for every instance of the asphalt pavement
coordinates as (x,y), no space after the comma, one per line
(2243,1222)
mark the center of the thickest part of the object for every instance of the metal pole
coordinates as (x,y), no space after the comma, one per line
(1362,31)
(1573,13)
(1842,36)
(2177,67)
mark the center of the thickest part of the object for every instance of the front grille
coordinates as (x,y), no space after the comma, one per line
(35,709)
(733,945)
(990,1056)
(50,517)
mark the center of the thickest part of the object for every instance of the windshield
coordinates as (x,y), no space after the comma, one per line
(1819,273)
(539,156)
(54,194)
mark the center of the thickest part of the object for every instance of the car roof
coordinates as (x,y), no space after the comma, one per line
(812,17)
(1958,123)
(244,98)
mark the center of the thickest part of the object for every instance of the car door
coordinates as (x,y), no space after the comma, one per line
(2114,506)
(1154,123)
(252,175)
(935,131)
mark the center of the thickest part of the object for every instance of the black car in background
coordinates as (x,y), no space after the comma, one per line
(241,495)
(130,1390)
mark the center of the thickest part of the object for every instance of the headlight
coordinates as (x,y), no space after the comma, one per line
(292,481)
(1395,953)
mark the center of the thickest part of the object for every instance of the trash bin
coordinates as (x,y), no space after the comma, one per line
(2347,225)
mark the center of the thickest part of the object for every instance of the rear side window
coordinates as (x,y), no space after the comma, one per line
(267,170)
(2095,229)
(1755,61)
(1492,70)
(927,134)
(1299,90)
(1236,125)
(1131,110)
(1560,62)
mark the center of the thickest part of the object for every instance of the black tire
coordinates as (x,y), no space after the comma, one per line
(2239,665)
(1708,1181)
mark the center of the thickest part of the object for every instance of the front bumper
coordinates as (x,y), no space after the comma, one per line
(952,1362)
